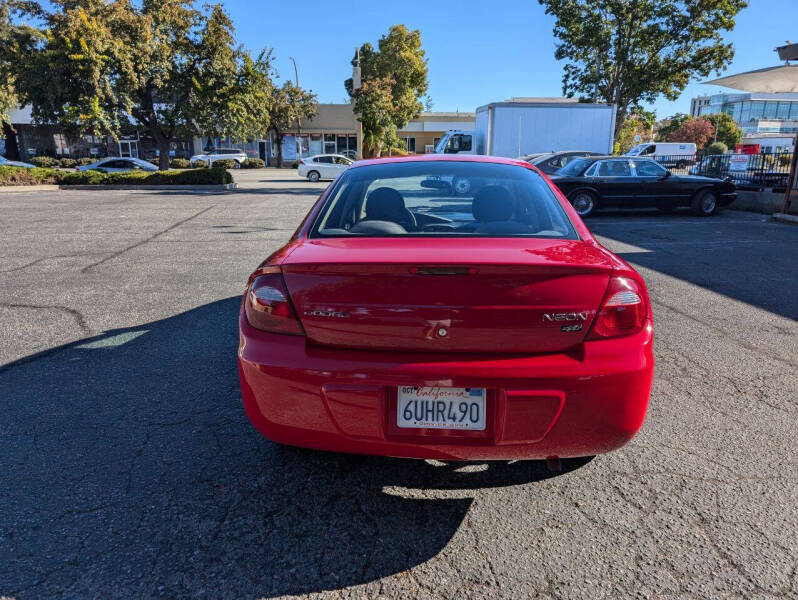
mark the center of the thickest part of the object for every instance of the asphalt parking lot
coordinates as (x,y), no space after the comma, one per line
(129,469)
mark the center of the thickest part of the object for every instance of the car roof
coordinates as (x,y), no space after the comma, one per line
(475,158)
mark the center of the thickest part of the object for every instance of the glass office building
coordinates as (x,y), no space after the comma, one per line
(754,113)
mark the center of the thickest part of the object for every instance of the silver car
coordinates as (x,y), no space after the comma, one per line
(114,164)
(239,156)
(4,162)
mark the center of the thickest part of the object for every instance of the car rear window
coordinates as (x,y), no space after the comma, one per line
(442,198)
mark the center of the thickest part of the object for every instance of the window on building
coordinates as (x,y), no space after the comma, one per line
(770,110)
(410,143)
(757,109)
(435,141)
(329,143)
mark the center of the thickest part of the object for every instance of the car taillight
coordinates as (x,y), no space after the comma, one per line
(623,312)
(268,306)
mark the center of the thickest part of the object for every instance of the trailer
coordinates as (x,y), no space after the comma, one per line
(519,128)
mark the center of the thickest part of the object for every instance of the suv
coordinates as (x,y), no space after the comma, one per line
(239,156)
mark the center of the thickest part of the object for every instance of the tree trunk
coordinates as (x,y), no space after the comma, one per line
(163,150)
(12,147)
(278,136)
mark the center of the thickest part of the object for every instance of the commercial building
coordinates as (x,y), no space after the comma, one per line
(334,129)
(754,113)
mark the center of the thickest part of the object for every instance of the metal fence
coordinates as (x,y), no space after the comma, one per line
(747,171)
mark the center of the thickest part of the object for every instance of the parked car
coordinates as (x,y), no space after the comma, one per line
(742,169)
(600,182)
(4,162)
(554,161)
(398,321)
(323,166)
(117,165)
(239,156)
(670,154)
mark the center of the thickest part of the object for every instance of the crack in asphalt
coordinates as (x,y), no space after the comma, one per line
(54,256)
(87,268)
(75,314)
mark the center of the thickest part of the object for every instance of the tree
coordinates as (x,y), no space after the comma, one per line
(15,38)
(629,52)
(394,81)
(726,129)
(668,125)
(290,103)
(697,131)
(717,148)
(163,65)
(639,123)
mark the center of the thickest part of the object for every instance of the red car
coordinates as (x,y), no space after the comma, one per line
(446,307)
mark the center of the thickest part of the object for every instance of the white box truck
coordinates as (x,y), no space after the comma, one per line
(513,129)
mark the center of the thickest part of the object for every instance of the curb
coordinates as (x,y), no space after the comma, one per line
(781,217)
(27,188)
(122,186)
(13,189)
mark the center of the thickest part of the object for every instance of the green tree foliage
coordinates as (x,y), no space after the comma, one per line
(15,38)
(665,127)
(394,82)
(697,131)
(717,148)
(639,123)
(289,105)
(726,129)
(628,52)
(164,65)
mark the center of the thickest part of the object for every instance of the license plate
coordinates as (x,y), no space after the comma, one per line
(440,408)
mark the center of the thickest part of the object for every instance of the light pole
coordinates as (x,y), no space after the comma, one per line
(298,122)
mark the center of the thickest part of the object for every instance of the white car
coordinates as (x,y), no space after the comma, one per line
(218,154)
(4,162)
(115,164)
(323,166)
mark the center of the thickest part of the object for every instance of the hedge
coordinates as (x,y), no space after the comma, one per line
(179,163)
(44,161)
(225,163)
(253,163)
(23,176)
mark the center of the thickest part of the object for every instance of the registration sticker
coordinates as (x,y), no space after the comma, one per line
(440,408)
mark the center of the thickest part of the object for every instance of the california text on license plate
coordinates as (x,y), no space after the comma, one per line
(440,408)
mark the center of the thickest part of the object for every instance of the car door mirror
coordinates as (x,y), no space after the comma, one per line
(665,175)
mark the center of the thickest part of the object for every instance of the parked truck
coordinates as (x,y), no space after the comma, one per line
(515,129)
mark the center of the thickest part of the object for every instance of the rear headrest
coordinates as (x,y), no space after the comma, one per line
(493,203)
(385,204)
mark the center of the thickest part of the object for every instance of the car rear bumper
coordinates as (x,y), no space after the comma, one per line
(557,405)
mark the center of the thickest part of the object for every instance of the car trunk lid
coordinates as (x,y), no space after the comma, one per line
(447,295)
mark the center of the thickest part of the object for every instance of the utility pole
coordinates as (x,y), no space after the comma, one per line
(298,122)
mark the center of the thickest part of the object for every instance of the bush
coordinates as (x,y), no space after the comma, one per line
(717,148)
(225,163)
(45,162)
(199,164)
(68,163)
(25,176)
(253,163)
(179,163)
(85,162)
(154,161)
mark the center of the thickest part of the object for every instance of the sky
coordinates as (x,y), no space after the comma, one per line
(478,51)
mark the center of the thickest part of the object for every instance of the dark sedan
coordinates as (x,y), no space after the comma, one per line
(554,161)
(598,182)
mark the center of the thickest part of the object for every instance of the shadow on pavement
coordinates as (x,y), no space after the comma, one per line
(734,254)
(131,471)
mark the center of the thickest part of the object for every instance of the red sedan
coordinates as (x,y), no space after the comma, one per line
(446,307)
